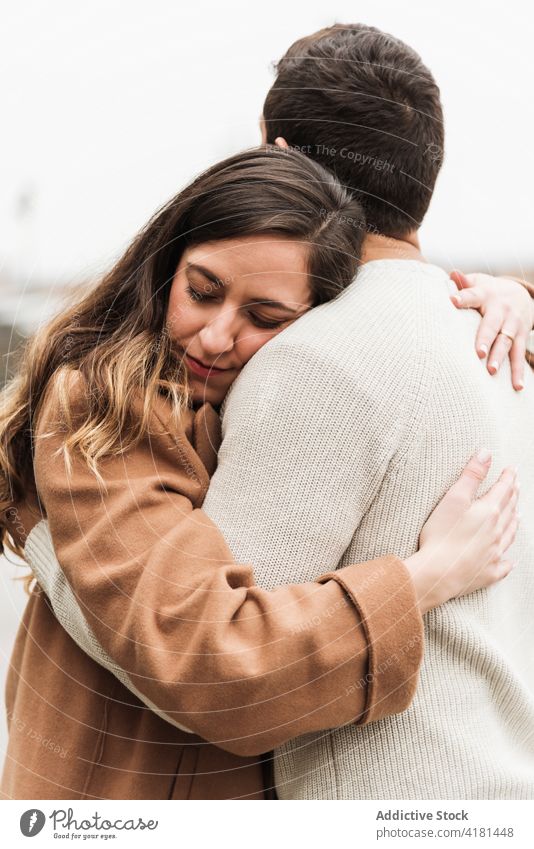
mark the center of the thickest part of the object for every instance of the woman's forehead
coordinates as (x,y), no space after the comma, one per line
(265,248)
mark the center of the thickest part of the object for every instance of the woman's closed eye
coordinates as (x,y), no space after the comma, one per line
(268,324)
(198,296)
(259,321)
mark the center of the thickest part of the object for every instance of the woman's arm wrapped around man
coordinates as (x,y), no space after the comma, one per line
(243,667)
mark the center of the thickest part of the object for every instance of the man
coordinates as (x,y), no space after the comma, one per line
(344,431)
(371,406)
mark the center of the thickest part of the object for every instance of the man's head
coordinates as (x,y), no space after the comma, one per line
(364,105)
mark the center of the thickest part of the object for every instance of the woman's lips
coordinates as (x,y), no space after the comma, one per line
(201,370)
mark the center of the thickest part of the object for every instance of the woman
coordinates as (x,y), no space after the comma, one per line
(109,431)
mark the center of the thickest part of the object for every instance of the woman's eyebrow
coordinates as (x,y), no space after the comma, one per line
(266,302)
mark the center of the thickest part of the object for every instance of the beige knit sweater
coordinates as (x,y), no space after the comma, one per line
(340,436)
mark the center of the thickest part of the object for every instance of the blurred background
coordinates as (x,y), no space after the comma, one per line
(109,108)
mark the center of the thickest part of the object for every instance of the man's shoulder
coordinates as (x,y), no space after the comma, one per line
(382,312)
(367,345)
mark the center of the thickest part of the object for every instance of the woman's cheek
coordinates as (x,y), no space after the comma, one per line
(184,319)
(250,345)
(259,339)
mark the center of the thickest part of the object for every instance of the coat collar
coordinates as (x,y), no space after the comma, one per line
(206,436)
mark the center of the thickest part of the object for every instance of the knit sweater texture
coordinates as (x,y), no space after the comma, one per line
(339,438)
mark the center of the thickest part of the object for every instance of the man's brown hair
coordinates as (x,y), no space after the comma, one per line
(363,104)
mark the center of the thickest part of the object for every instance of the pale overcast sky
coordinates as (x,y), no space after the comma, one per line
(108,108)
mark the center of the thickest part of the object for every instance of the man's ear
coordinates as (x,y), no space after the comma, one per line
(279,142)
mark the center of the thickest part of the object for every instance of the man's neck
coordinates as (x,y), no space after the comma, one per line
(376,246)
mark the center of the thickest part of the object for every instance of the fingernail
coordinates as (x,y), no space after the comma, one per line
(483,350)
(484,456)
(457,298)
(495,365)
(520,385)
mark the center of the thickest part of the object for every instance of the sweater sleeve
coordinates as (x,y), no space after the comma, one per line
(241,666)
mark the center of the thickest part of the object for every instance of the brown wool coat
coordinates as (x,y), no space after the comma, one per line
(242,668)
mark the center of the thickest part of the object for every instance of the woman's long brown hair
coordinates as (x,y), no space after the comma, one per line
(115,335)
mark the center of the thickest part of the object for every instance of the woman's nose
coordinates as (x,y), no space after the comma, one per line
(219,335)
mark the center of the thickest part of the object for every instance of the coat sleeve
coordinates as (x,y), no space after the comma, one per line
(243,667)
